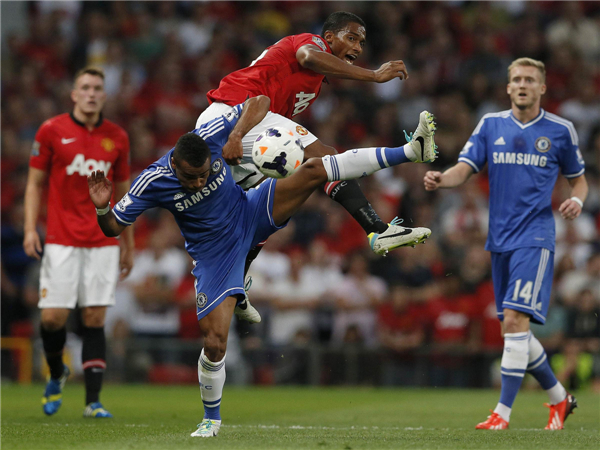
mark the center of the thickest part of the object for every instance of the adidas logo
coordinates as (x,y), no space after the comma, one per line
(500,141)
(178,196)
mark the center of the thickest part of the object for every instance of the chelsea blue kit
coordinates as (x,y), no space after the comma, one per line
(523,161)
(220,223)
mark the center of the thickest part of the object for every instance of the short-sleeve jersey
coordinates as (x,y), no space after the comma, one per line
(68,152)
(205,217)
(523,163)
(277,74)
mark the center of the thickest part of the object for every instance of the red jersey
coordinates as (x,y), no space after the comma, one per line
(277,74)
(66,150)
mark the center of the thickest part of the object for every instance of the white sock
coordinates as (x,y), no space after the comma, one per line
(409,152)
(537,357)
(352,164)
(212,379)
(503,411)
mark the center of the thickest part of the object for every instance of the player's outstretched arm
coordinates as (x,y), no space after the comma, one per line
(310,57)
(571,208)
(255,110)
(100,192)
(454,176)
(33,196)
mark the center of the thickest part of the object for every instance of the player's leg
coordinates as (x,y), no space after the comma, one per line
(93,359)
(59,280)
(99,280)
(561,403)
(211,365)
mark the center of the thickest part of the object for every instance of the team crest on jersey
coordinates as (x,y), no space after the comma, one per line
(35,149)
(543,144)
(317,40)
(216,166)
(301,130)
(107,144)
(201,300)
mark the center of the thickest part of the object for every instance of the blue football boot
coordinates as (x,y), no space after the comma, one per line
(52,398)
(96,410)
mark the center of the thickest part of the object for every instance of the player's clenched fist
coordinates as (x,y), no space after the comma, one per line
(432,180)
(391,70)
(100,189)
(569,209)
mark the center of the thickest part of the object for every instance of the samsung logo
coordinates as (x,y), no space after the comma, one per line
(521,159)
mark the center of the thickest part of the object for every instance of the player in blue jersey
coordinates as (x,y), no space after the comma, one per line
(525,148)
(221,222)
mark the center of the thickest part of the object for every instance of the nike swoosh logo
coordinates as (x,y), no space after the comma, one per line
(67,141)
(421,141)
(402,233)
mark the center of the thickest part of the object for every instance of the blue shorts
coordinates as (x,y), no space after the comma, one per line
(220,273)
(523,281)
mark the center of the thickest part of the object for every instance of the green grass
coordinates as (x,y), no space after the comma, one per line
(151,417)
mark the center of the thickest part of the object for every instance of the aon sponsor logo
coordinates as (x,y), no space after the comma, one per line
(85,167)
(303,102)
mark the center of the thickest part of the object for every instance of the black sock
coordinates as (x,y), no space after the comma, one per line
(54,343)
(93,357)
(252,254)
(348,194)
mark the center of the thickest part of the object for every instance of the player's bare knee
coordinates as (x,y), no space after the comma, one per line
(215,345)
(515,321)
(53,320)
(93,317)
(317,150)
(315,171)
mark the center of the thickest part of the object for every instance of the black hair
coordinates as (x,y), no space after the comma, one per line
(192,149)
(338,20)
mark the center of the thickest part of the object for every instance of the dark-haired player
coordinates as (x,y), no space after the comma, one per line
(80,265)
(291,73)
(221,222)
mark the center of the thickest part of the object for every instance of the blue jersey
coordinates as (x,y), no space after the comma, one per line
(203,217)
(523,164)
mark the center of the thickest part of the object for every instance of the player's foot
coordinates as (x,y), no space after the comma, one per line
(396,236)
(560,412)
(97,411)
(245,310)
(208,428)
(52,398)
(422,141)
(493,422)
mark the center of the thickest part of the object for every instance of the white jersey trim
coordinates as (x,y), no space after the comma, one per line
(469,162)
(502,114)
(528,124)
(574,175)
(566,123)
(120,219)
(142,183)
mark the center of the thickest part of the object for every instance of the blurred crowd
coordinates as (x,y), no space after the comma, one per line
(316,282)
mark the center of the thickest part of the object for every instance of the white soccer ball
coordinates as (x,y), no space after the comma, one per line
(277,152)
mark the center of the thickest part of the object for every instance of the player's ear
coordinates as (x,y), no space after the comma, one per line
(73,97)
(328,36)
(543,89)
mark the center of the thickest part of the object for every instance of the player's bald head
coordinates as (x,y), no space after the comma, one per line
(192,149)
(338,20)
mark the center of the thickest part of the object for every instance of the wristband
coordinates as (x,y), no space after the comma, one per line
(106,209)
(578,201)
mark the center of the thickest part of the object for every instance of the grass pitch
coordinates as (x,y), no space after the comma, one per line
(151,417)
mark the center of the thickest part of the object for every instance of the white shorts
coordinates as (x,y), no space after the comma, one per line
(78,275)
(246,174)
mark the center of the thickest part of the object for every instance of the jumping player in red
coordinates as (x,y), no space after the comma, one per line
(291,73)
(79,264)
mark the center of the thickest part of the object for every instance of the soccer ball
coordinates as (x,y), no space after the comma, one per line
(277,152)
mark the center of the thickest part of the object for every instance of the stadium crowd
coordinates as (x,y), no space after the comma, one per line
(316,282)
